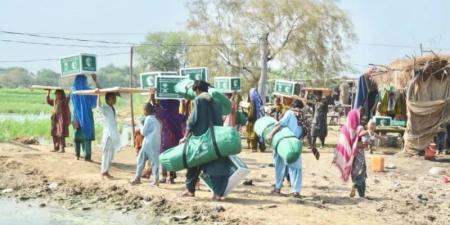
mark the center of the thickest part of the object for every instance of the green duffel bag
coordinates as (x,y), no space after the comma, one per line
(284,141)
(241,118)
(184,88)
(262,123)
(199,150)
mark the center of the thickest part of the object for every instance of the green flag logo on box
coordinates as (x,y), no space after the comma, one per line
(195,73)
(227,84)
(78,64)
(148,80)
(287,88)
(165,87)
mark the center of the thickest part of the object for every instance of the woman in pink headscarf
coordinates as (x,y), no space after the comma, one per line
(349,155)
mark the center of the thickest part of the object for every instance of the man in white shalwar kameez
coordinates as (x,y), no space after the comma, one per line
(111,137)
(151,145)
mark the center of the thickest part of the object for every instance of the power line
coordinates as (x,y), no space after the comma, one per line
(66,38)
(93,34)
(45,35)
(60,45)
(129,44)
(55,59)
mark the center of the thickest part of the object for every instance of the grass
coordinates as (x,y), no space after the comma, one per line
(23,101)
(26,101)
(39,129)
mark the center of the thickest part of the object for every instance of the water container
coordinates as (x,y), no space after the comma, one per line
(378,164)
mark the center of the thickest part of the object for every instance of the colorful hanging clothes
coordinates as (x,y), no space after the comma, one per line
(400,105)
(384,103)
(362,93)
(391,102)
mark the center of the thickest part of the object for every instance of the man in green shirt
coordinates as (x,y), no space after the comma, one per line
(206,113)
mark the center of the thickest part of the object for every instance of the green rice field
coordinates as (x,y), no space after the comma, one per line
(34,101)
(23,102)
(39,129)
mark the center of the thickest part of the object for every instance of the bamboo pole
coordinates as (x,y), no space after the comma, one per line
(131,94)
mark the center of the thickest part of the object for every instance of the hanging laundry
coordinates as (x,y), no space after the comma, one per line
(391,102)
(361,93)
(384,103)
(400,107)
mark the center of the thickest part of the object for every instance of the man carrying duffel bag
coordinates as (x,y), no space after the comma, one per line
(292,120)
(205,114)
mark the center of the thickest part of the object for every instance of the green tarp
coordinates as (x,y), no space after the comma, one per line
(284,141)
(184,88)
(200,149)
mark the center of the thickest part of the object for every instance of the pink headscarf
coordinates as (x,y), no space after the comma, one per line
(346,148)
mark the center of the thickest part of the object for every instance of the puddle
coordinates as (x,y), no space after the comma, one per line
(19,213)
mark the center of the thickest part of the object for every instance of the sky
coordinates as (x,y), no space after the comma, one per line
(386,29)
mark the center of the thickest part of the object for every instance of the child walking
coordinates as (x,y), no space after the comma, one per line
(151,146)
(349,154)
(111,137)
(60,119)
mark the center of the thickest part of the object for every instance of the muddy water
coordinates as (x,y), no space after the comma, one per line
(19,213)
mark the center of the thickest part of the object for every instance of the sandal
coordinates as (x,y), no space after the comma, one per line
(275,191)
(187,193)
(163,180)
(353,192)
(216,198)
(135,181)
(296,195)
(316,153)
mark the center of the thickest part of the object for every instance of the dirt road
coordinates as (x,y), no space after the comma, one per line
(404,195)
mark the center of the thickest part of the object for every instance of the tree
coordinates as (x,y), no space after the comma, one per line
(47,77)
(164,51)
(15,77)
(244,35)
(112,76)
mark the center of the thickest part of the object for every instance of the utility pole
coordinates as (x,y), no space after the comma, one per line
(131,94)
(264,49)
(421,50)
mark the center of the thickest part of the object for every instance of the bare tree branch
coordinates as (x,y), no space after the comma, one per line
(229,63)
(285,41)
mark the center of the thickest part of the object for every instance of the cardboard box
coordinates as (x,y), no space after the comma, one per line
(239,171)
(382,120)
(286,88)
(148,79)
(165,87)
(78,64)
(195,73)
(227,84)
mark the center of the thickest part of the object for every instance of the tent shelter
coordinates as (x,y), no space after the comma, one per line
(427,83)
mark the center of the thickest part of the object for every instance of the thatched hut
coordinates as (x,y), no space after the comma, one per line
(427,84)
